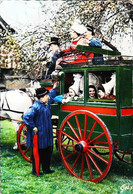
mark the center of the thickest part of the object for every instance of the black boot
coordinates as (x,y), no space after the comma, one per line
(48,171)
(47,161)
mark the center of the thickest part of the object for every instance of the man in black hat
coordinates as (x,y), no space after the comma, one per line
(38,120)
(55,46)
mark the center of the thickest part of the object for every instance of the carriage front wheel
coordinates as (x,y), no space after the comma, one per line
(22,143)
(90,154)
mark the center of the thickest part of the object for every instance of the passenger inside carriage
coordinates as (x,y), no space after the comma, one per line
(107,90)
(102,94)
(92,92)
(73,91)
(104,83)
(70,96)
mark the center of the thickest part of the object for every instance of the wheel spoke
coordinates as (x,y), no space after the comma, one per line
(23,143)
(95,146)
(73,130)
(79,128)
(23,135)
(88,164)
(26,150)
(70,137)
(75,161)
(93,140)
(95,164)
(101,142)
(68,156)
(85,126)
(91,131)
(98,156)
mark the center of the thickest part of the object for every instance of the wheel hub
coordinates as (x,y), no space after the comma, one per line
(81,146)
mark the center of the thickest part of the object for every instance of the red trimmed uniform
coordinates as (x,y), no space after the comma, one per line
(75,56)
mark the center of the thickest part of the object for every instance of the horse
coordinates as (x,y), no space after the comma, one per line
(14,103)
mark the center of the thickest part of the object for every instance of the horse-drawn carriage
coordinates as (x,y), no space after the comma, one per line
(89,132)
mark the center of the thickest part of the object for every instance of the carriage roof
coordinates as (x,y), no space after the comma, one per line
(107,63)
(111,58)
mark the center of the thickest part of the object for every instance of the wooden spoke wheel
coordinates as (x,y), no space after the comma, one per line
(87,133)
(124,156)
(22,143)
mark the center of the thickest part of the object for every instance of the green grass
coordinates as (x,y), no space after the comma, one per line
(16,177)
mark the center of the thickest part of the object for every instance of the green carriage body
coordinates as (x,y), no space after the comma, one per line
(118,114)
(91,131)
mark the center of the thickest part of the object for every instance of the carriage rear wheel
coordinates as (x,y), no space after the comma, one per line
(124,156)
(22,143)
(87,133)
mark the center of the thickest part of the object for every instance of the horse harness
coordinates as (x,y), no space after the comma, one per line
(7,104)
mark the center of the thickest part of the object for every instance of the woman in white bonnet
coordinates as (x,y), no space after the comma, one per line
(73,91)
(76,32)
(71,95)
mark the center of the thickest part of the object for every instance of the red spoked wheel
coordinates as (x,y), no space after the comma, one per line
(25,151)
(86,132)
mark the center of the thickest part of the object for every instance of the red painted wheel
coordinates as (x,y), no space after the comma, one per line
(22,145)
(86,132)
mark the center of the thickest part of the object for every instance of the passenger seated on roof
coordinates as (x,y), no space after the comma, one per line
(76,31)
(89,39)
(55,46)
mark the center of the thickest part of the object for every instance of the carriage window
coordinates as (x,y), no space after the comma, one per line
(73,90)
(102,86)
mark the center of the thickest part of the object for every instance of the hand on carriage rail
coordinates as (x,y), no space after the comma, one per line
(35,130)
(55,85)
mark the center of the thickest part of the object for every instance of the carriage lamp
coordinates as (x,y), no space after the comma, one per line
(57,74)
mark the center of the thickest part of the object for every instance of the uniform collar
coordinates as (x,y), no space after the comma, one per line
(43,102)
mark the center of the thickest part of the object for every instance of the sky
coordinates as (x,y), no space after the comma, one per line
(20,13)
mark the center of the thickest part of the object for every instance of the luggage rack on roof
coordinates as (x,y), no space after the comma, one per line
(107,62)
